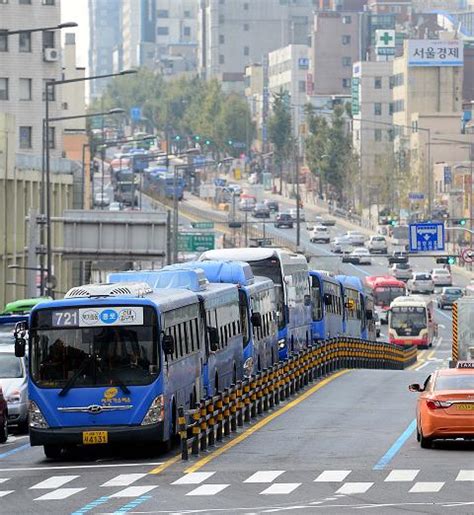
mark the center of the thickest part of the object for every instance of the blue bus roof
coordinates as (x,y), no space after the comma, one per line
(351,281)
(325,277)
(188,279)
(231,272)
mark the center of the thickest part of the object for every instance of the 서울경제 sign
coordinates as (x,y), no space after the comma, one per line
(435,52)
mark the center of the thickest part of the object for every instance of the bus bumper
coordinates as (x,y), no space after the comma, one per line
(115,434)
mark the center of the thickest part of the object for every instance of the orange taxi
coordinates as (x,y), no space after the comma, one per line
(445,408)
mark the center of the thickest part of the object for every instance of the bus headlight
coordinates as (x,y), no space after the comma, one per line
(36,418)
(281,343)
(156,412)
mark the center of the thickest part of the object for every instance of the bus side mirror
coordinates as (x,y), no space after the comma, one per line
(415,387)
(20,339)
(167,344)
(369,314)
(213,338)
(307,300)
(256,319)
(327,299)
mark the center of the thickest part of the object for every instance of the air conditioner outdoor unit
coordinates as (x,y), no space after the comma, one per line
(51,54)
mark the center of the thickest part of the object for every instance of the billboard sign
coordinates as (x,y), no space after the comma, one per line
(435,52)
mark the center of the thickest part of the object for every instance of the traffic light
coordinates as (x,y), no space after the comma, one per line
(208,142)
(230,142)
(451,260)
(462,222)
(392,222)
(177,138)
(446,260)
(197,138)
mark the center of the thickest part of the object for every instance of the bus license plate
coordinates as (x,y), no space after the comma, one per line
(95,437)
(465,407)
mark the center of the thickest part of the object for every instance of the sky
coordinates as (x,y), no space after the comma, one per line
(77,10)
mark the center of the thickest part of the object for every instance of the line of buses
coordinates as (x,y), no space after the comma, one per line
(112,362)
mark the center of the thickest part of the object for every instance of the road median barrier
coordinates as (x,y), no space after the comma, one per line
(217,417)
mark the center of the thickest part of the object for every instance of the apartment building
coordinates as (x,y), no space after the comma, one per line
(27,62)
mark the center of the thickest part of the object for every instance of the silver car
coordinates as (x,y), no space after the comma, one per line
(14,383)
(420,282)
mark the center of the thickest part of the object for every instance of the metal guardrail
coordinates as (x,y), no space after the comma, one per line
(214,418)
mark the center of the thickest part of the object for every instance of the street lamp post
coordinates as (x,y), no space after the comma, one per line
(65,25)
(50,85)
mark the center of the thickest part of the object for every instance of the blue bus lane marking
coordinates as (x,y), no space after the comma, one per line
(14,451)
(398,444)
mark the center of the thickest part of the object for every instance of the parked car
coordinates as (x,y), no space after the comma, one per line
(421,282)
(377,244)
(449,296)
(356,238)
(359,256)
(340,243)
(441,277)
(293,213)
(14,383)
(272,205)
(101,199)
(398,256)
(3,418)
(320,234)
(261,211)
(284,220)
(401,271)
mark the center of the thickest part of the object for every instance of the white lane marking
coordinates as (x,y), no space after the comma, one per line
(59,494)
(124,480)
(134,491)
(194,478)
(329,476)
(3,493)
(4,479)
(264,476)
(426,487)
(423,365)
(280,489)
(354,488)
(465,475)
(70,467)
(207,490)
(53,482)
(402,475)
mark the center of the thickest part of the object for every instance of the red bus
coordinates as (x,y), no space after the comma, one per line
(385,289)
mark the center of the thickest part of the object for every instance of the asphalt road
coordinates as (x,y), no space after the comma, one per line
(349,446)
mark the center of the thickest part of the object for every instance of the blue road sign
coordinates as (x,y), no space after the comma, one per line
(426,237)
(413,195)
(135,114)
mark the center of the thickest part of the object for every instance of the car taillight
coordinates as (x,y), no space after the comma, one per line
(431,404)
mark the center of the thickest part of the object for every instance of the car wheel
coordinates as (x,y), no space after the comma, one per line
(425,443)
(4,429)
(418,435)
(53,452)
(23,426)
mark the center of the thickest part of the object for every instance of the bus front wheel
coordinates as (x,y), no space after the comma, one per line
(53,452)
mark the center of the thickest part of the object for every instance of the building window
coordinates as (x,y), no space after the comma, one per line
(64,106)
(51,91)
(162,13)
(378,134)
(246,50)
(162,31)
(246,27)
(221,59)
(25,42)
(347,61)
(49,2)
(52,137)
(187,14)
(221,39)
(346,20)
(3,88)
(25,89)
(346,83)
(48,39)
(3,41)
(221,19)
(390,108)
(377,108)
(346,39)
(302,86)
(246,6)
(187,31)
(377,82)
(25,137)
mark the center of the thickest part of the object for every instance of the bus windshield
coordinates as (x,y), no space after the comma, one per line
(383,295)
(408,320)
(93,356)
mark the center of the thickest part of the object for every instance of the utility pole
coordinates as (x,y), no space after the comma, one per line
(297,179)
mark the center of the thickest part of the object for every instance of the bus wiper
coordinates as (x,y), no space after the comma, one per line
(118,382)
(74,378)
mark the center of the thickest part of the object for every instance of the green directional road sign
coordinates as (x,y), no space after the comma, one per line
(203,225)
(195,242)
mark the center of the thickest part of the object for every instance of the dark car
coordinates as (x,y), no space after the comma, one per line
(449,296)
(398,256)
(272,205)
(284,220)
(261,211)
(3,418)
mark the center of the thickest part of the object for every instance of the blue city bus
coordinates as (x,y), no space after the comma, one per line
(111,363)
(327,302)
(289,273)
(355,322)
(257,309)
(161,182)
(222,363)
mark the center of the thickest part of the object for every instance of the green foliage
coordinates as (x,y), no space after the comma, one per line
(279,128)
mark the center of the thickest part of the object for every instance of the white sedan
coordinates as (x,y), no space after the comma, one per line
(441,277)
(360,256)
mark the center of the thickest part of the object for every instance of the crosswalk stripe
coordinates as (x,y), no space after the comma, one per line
(3,493)
(264,476)
(211,489)
(402,475)
(354,488)
(426,487)
(134,491)
(465,475)
(280,489)
(329,476)
(53,482)
(194,478)
(124,480)
(59,494)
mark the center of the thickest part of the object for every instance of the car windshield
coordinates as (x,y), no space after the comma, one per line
(94,356)
(455,382)
(10,366)
(383,295)
(422,277)
(408,320)
(402,266)
(453,291)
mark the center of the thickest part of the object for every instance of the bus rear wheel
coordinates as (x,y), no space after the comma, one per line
(53,452)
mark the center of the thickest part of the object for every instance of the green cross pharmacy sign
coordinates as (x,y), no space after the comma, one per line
(386,38)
